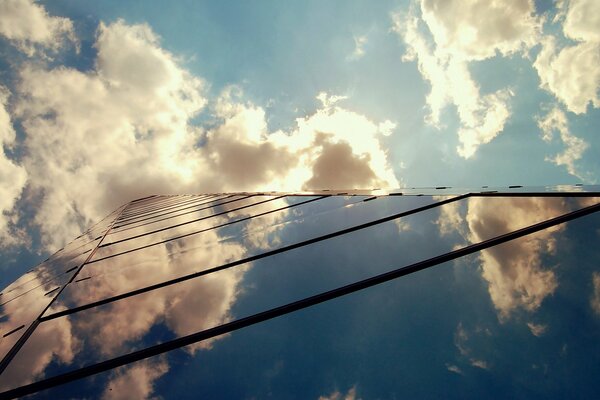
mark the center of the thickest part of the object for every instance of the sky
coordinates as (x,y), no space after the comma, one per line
(105,102)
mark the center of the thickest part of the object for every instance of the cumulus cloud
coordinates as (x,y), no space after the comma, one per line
(12,178)
(462,32)
(184,308)
(96,139)
(29,27)
(136,381)
(340,137)
(51,342)
(514,272)
(571,72)
(556,120)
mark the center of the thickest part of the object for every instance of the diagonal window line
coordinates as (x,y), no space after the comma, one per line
(161,201)
(147,216)
(207,206)
(174,216)
(165,204)
(158,203)
(207,229)
(291,307)
(134,216)
(254,257)
(182,223)
(4,362)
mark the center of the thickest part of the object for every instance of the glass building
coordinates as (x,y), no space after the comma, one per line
(428,293)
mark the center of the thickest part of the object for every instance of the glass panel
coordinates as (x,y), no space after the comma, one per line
(191,228)
(505,313)
(166,206)
(180,218)
(164,213)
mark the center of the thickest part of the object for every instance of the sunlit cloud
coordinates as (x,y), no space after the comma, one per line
(514,272)
(29,27)
(135,381)
(12,178)
(132,112)
(556,121)
(443,37)
(571,72)
(57,344)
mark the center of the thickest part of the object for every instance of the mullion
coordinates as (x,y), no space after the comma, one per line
(34,324)
(167,213)
(127,220)
(288,308)
(180,224)
(185,213)
(211,228)
(167,202)
(155,207)
(255,257)
(158,204)
(159,201)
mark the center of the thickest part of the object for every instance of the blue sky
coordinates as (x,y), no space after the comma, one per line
(105,102)
(256,96)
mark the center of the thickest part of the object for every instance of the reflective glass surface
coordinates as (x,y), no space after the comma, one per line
(497,322)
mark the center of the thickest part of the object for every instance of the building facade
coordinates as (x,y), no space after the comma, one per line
(434,292)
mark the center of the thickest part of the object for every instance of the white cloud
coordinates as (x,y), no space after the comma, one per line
(556,120)
(479,29)
(463,32)
(97,139)
(582,21)
(359,47)
(571,73)
(350,395)
(595,299)
(29,27)
(188,307)
(135,381)
(50,342)
(513,270)
(537,329)
(12,178)
(454,368)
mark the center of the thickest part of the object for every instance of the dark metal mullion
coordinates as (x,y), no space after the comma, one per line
(167,213)
(164,205)
(149,210)
(253,258)
(271,198)
(291,307)
(162,201)
(211,228)
(17,346)
(171,208)
(199,199)
(178,225)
